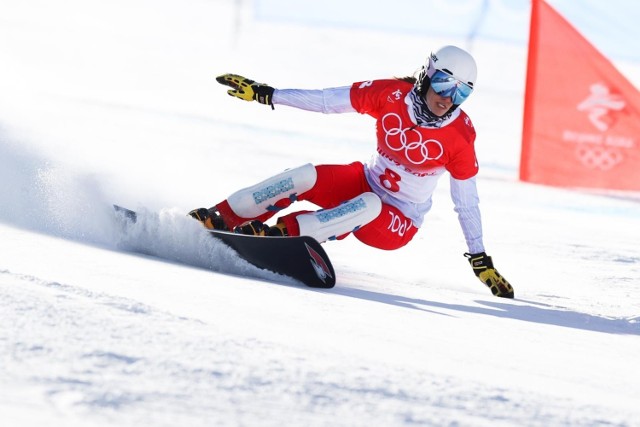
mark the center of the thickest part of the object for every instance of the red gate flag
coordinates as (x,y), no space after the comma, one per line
(581,115)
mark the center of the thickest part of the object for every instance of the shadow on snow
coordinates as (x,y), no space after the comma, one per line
(530,312)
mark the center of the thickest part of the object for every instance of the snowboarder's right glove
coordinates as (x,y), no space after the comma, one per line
(483,268)
(247,89)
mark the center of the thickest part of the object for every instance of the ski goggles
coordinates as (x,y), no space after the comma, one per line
(448,86)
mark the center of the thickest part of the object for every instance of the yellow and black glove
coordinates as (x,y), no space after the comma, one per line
(247,89)
(483,268)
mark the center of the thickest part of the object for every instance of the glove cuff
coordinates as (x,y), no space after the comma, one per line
(264,94)
(479,262)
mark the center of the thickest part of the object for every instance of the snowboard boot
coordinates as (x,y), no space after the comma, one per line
(257,228)
(278,230)
(210,218)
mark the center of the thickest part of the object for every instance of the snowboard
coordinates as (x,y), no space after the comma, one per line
(299,257)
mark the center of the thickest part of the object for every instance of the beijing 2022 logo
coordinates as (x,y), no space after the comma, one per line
(600,150)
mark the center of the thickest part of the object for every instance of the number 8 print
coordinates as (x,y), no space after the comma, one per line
(390,180)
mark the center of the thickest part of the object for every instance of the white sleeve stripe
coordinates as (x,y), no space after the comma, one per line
(332,100)
(465,198)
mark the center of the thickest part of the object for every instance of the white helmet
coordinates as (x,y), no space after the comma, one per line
(451,60)
(454,61)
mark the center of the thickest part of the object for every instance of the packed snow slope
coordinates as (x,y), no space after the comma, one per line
(116,102)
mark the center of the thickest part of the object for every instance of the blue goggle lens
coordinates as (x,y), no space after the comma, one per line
(446,85)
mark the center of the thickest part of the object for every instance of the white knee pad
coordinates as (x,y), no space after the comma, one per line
(253,201)
(327,224)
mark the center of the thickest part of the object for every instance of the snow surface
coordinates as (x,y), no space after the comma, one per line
(116,102)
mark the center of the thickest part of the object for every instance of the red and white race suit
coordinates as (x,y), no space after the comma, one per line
(409,159)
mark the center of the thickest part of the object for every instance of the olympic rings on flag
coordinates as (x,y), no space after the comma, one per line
(596,157)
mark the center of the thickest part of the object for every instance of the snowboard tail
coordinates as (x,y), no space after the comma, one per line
(299,257)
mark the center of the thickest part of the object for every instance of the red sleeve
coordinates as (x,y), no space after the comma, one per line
(464,164)
(370,96)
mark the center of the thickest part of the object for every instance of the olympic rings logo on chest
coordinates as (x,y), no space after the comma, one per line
(409,141)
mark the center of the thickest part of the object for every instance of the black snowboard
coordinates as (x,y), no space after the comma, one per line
(300,257)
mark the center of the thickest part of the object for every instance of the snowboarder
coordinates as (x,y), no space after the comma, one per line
(421,133)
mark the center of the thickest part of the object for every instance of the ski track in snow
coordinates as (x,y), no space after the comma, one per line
(137,365)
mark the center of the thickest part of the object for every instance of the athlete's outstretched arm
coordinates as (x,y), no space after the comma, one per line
(465,198)
(331,100)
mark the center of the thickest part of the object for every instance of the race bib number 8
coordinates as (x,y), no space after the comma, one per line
(390,180)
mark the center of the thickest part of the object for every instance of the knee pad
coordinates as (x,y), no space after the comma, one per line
(254,201)
(327,224)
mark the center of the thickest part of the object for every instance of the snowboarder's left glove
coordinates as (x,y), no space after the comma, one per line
(483,268)
(247,89)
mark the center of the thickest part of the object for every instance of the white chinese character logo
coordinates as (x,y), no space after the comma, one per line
(599,103)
